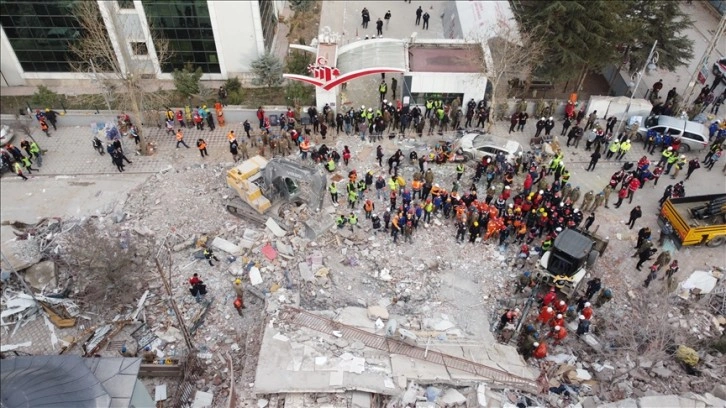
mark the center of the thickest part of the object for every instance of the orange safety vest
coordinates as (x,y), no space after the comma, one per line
(305,146)
(435,191)
(416,185)
(43,126)
(179,136)
(368,206)
(230,136)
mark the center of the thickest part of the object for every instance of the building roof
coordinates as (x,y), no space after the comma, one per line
(67,381)
(375,53)
(467,58)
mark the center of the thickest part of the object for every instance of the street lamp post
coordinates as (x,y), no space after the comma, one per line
(648,62)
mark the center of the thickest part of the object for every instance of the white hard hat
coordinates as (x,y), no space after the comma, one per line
(385,101)
(542,118)
(436,185)
(550,117)
(562,302)
(581,317)
(370,109)
(576,210)
(587,304)
(536,344)
(557,327)
(683,156)
(507,188)
(516,310)
(559,315)
(362,107)
(549,309)
(670,148)
(541,191)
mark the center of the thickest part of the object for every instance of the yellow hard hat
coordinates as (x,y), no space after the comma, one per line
(237,281)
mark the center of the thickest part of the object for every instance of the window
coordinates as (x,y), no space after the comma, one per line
(269,22)
(694,136)
(125,4)
(139,48)
(40,32)
(188,28)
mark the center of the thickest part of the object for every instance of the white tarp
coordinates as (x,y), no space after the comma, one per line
(702,280)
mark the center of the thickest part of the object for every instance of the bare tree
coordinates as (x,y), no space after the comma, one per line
(101,260)
(513,54)
(641,328)
(120,74)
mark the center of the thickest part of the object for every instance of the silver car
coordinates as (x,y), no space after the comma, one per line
(475,145)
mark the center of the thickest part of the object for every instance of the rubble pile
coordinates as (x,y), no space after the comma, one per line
(435,291)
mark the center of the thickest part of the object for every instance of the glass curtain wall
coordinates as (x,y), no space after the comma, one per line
(188,28)
(39,32)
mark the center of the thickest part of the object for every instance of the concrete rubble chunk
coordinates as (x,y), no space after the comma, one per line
(360,399)
(262,403)
(719,391)
(452,397)
(275,228)
(20,254)
(481,395)
(144,231)
(377,312)
(203,400)
(284,249)
(255,276)
(184,245)
(41,275)
(226,246)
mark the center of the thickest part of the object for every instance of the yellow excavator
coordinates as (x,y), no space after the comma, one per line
(264,187)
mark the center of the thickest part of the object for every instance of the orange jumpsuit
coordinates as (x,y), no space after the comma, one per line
(545,314)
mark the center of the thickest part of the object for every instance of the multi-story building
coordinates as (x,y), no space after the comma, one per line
(220,37)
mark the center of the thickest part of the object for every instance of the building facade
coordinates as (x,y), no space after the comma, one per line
(220,37)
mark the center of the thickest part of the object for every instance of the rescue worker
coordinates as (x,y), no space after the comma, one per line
(540,350)
(624,148)
(209,255)
(558,333)
(583,325)
(180,139)
(202,146)
(18,169)
(352,220)
(605,296)
(333,193)
(368,207)
(340,221)
(545,315)
(239,304)
(680,163)
(459,171)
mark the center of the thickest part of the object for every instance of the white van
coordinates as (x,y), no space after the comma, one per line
(694,135)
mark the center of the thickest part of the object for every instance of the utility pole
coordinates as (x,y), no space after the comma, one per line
(637,83)
(180,320)
(704,60)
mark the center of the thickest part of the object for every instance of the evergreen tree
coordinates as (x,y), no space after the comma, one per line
(267,70)
(186,80)
(578,35)
(651,20)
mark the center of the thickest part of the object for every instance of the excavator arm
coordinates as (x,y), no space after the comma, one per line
(290,181)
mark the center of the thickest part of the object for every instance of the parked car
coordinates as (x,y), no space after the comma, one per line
(694,135)
(475,145)
(6,135)
(719,68)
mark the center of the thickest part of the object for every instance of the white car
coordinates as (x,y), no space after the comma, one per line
(476,145)
(6,135)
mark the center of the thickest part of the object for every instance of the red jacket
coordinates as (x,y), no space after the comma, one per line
(634,184)
(260,114)
(623,193)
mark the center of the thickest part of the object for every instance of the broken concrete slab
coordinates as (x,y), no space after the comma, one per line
(20,254)
(41,275)
(284,249)
(226,246)
(360,399)
(452,397)
(275,228)
(356,317)
(377,312)
(202,400)
(255,276)
(719,391)
(184,245)
(660,401)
